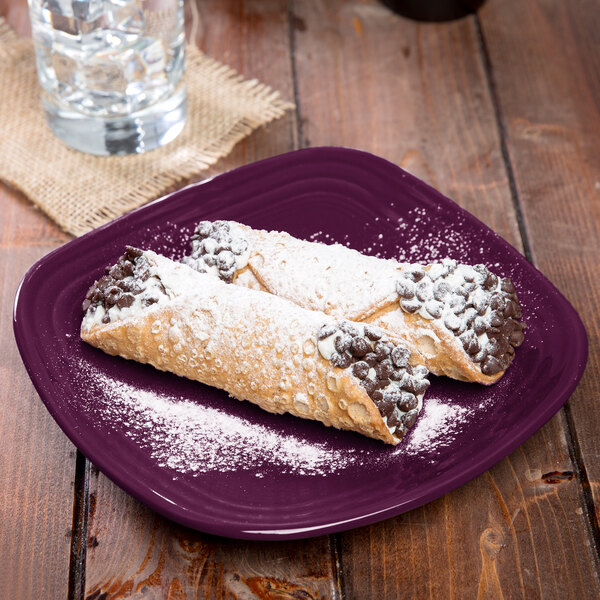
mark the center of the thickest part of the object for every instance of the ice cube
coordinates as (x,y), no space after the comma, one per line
(126,16)
(87,10)
(59,15)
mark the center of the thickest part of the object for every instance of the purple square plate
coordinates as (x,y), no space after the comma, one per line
(228,468)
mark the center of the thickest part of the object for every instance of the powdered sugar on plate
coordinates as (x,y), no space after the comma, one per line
(191,438)
(437,427)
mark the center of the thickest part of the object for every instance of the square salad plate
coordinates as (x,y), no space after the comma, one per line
(225,467)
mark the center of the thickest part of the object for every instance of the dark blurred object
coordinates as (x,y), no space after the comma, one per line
(433,10)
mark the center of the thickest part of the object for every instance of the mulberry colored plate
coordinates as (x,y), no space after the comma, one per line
(228,468)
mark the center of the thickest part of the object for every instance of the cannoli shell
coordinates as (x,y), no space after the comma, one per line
(255,346)
(346,284)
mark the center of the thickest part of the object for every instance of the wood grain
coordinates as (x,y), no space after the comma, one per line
(549,91)
(134,553)
(419,95)
(36,459)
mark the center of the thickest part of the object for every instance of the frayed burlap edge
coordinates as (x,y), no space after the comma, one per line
(150,175)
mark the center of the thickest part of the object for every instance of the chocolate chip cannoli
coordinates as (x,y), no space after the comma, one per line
(458,320)
(255,346)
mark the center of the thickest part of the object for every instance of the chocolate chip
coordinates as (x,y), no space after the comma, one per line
(149,301)
(394,420)
(408,383)
(480,356)
(397,374)
(370,385)
(360,347)
(360,369)
(517,337)
(469,316)
(392,393)
(377,395)
(227,276)
(342,361)
(116,271)
(491,365)
(400,356)
(497,302)
(441,291)
(386,408)
(497,346)
(496,319)
(113,294)
(470,343)
(420,371)
(373,333)
(491,281)
(434,308)
(506,285)
(349,328)
(480,301)
(210,260)
(405,288)
(382,351)
(458,305)
(225,260)
(342,343)
(410,306)
(407,402)
(408,420)
(452,322)
(510,308)
(203,229)
(436,271)
(239,246)
(384,369)
(370,359)
(420,385)
(480,326)
(125,301)
(326,330)
(414,272)
(424,290)
(132,253)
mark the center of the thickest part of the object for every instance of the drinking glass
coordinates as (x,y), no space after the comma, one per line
(111,72)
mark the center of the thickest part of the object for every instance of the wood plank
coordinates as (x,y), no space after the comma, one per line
(37,462)
(546,76)
(131,550)
(418,95)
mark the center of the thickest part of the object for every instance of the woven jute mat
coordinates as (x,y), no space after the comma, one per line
(80,191)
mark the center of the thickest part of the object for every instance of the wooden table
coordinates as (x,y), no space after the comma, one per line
(501,112)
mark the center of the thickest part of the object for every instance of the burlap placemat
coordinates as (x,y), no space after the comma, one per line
(81,191)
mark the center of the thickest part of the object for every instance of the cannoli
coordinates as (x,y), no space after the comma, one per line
(255,346)
(457,320)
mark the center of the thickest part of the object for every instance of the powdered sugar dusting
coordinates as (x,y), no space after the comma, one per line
(191,438)
(438,426)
